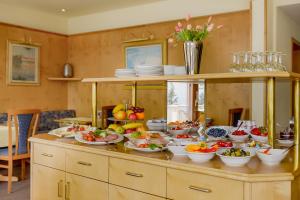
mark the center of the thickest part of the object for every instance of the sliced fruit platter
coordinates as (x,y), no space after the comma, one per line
(99,137)
(201,152)
(70,131)
(146,147)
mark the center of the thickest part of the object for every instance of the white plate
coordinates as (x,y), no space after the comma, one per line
(129,145)
(79,138)
(62,132)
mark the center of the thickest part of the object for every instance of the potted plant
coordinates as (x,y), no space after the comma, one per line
(193,37)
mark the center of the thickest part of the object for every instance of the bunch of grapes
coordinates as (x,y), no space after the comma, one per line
(136,109)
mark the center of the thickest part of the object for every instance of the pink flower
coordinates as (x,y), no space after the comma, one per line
(179,25)
(189,27)
(209,20)
(170,40)
(188,17)
(177,29)
(220,26)
(210,27)
(198,27)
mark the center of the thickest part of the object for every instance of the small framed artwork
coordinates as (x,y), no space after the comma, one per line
(23,63)
(149,52)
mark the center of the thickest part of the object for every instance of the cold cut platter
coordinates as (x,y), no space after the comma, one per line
(99,137)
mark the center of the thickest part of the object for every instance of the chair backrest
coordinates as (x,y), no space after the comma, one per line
(234,116)
(25,124)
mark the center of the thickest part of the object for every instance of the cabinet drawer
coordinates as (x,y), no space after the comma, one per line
(50,156)
(120,193)
(143,177)
(193,186)
(87,164)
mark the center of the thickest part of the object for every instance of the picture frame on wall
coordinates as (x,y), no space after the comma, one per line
(148,52)
(23,63)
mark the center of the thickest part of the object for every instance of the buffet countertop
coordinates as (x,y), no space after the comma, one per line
(254,171)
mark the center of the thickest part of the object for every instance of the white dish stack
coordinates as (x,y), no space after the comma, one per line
(125,73)
(149,70)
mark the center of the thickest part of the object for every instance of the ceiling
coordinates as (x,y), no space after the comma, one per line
(75,7)
(293,11)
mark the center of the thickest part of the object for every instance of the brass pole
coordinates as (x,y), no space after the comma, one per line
(271,110)
(94,104)
(133,93)
(296,122)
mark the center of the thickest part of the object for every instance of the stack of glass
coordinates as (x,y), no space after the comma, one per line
(257,62)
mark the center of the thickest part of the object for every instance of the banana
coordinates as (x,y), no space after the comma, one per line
(118,107)
(132,125)
(113,126)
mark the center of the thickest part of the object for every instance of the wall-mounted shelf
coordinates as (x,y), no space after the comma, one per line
(244,75)
(63,79)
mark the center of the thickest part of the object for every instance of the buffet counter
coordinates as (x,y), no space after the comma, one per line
(66,169)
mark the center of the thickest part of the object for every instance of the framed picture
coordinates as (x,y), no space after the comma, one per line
(23,63)
(149,52)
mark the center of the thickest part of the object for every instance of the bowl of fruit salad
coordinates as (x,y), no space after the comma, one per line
(260,134)
(234,157)
(201,152)
(178,130)
(238,135)
(224,144)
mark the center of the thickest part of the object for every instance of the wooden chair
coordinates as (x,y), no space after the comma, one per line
(25,123)
(234,116)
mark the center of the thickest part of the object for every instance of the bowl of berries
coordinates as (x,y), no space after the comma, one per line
(260,134)
(238,135)
(217,132)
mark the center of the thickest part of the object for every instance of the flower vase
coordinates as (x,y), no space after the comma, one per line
(192,56)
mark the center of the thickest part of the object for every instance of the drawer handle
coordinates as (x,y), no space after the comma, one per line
(47,155)
(200,189)
(84,163)
(68,189)
(134,174)
(59,189)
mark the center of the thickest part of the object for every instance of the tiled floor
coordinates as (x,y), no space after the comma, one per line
(20,190)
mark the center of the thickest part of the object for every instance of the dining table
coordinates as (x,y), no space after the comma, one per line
(4,136)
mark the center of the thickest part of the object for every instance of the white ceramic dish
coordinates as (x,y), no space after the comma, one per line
(238,138)
(79,138)
(234,161)
(178,132)
(200,157)
(177,150)
(285,142)
(129,145)
(63,131)
(263,139)
(137,141)
(274,156)
(211,137)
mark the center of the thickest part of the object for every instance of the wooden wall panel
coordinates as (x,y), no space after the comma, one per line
(49,95)
(98,54)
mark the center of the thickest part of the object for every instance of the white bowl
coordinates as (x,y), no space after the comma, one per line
(238,138)
(234,161)
(274,157)
(178,132)
(263,139)
(177,150)
(200,157)
(210,137)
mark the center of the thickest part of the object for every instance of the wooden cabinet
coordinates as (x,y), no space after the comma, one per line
(120,193)
(87,164)
(138,176)
(50,156)
(47,184)
(82,188)
(194,186)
